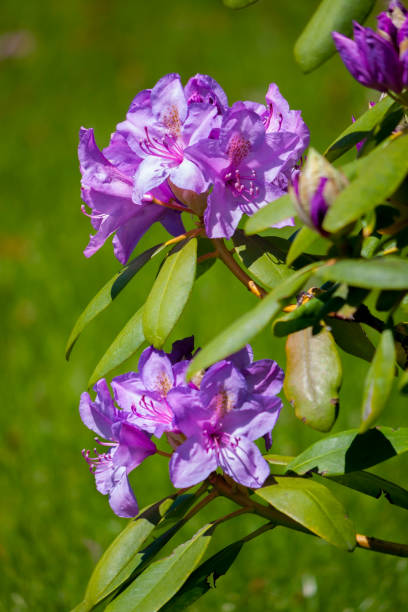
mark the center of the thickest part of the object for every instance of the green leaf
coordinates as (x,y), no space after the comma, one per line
(313,506)
(204,578)
(351,337)
(204,247)
(360,129)
(238,4)
(124,346)
(379,379)
(350,451)
(121,558)
(403,383)
(279,463)
(236,335)
(313,377)
(163,578)
(169,294)
(373,485)
(269,215)
(315,44)
(108,293)
(389,272)
(381,172)
(302,241)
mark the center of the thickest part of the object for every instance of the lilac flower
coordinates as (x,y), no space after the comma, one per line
(378,59)
(107,187)
(221,420)
(242,164)
(314,189)
(161,123)
(143,394)
(128,447)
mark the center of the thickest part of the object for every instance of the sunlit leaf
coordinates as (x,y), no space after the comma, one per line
(271,214)
(302,241)
(388,272)
(373,485)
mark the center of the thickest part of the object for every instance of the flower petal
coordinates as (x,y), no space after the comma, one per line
(121,497)
(191,463)
(244,463)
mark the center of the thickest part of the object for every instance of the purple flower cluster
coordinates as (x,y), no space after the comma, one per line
(379,59)
(210,422)
(188,140)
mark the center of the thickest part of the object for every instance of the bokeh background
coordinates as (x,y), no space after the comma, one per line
(67,64)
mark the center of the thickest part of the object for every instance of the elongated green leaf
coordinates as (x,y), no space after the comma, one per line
(351,337)
(377,273)
(246,327)
(378,383)
(403,383)
(163,578)
(271,214)
(350,451)
(169,294)
(373,485)
(204,578)
(279,463)
(238,4)
(380,174)
(313,377)
(124,346)
(315,44)
(265,262)
(121,558)
(303,240)
(108,293)
(360,129)
(313,506)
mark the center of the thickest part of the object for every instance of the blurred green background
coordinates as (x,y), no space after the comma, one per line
(67,64)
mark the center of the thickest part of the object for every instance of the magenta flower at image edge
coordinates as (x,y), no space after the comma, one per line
(234,404)
(378,59)
(244,154)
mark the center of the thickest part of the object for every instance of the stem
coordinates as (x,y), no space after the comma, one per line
(232,515)
(191,234)
(229,261)
(207,256)
(163,453)
(259,531)
(172,204)
(200,505)
(382,546)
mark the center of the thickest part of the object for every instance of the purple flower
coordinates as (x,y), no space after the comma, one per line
(107,187)
(242,164)
(314,189)
(128,447)
(378,59)
(161,123)
(221,420)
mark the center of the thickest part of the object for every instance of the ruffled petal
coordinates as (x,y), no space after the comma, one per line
(222,214)
(244,463)
(169,103)
(191,463)
(121,497)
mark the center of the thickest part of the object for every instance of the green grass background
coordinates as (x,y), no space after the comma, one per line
(88,60)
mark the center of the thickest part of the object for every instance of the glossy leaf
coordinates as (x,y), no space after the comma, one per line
(312,505)
(169,294)
(313,377)
(163,578)
(236,335)
(350,451)
(302,241)
(380,174)
(388,272)
(121,558)
(204,578)
(124,346)
(379,379)
(269,215)
(108,293)
(375,486)
(360,129)
(351,337)
(278,463)
(315,44)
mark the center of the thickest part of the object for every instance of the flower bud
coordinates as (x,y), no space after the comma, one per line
(314,189)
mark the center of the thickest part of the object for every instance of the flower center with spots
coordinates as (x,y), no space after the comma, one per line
(238,148)
(216,440)
(171,120)
(242,186)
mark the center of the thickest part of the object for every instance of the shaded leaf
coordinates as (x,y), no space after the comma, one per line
(204,247)
(312,505)
(360,129)
(379,379)
(169,294)
(162,579)
(236,335)
(388,272)
(313,377)
(302,241)
(315,44)
(108,293)
(380,173)
(274,212)
(403,383)
(350,451)
(124,346)
(373,485)
(238,4)
(351,337)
